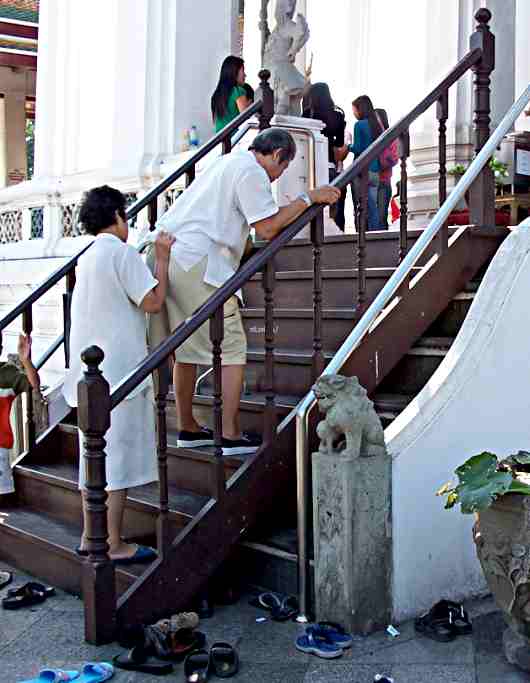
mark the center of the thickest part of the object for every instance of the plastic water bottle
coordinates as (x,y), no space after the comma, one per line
(194,136)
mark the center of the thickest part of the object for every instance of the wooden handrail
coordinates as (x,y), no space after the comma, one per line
(260,259)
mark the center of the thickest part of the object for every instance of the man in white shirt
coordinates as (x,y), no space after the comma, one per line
(211,224)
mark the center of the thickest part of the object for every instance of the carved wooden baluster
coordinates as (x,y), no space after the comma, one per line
(216,336)
(27,327)
(442,110)
(162,388)
(482,191)
(98,584)
(266,94)
(190,176)
(67,305)
(152,213)
(268,283)
(227,145)
(317,238)
(361,241)
(404,153)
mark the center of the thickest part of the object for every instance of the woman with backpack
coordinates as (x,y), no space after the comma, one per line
(230,97)
(365,131)
(318,104)
(387,160)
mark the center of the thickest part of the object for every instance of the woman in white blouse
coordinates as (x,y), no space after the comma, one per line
(114,290)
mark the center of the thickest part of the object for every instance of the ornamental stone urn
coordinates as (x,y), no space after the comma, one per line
(502,537)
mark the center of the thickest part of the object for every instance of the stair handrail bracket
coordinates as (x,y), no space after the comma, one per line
(302,411)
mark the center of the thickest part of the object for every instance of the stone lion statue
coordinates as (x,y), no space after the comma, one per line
(351,427)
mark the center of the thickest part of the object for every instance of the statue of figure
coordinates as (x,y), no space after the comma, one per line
(282,46)
(351,426)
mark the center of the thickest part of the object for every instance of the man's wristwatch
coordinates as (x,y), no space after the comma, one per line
(305,198)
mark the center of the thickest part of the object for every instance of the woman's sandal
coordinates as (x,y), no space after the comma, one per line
(197,666)
(31,593)
(436,625)
(137,659)
(224,660)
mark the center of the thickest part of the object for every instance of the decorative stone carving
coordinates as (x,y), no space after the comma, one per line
(351,426)
(502,538)
(281,48)
(352,491)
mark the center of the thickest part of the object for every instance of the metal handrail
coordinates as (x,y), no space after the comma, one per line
(303,409)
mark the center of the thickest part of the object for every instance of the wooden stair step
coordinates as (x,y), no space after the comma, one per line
(44,546)
(52,488)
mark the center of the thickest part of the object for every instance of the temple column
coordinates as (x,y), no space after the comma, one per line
(522,56)
(118,82)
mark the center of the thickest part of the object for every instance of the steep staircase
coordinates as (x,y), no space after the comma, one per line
(41,530)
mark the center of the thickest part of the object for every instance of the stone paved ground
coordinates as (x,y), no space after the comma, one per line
(51,635)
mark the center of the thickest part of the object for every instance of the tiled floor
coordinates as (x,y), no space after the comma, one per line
(51,635)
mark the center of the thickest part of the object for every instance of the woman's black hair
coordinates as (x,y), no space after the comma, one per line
(318,103)
(364,106)
(272,139)
(383,117)
(227,82)
(249,91)
(98,209)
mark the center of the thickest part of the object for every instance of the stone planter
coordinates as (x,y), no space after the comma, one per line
(502,537)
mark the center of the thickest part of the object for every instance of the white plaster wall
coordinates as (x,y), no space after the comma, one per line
(522,56)
(477,400)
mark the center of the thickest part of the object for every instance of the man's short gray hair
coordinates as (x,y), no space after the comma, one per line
(272,139)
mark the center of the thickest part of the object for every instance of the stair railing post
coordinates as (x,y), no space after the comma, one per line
(442,112)
(362,226)
(266,95)
(216,336)
(268,283)
(27,328)
(317,238)
(67,304)
(162,381)
(98,583)
(403,153)
(482,191)
(152,213)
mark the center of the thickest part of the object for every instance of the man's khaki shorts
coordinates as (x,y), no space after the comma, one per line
(186,292)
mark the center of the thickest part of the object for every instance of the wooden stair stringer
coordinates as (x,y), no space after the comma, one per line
(172,581)
(408,317)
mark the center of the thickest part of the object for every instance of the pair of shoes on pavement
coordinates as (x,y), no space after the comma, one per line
(324,639)
(93,672)
(246,445)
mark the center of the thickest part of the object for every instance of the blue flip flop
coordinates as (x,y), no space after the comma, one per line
(143,554)
(54,676)
(312,644)
(96,672)
(333,632)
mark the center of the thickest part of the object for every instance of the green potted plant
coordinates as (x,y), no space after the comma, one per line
(499,168)
(498,494)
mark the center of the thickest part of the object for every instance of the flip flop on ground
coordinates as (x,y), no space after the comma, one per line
(54,676)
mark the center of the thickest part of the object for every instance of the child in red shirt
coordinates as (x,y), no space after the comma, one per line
(12,383)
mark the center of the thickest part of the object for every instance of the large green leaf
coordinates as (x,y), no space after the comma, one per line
(480,483)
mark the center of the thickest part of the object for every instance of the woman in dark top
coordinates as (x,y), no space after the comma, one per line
(365,131)
(230,97)
(384,193)
(318,104)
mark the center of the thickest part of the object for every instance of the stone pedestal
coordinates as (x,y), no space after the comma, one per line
(309,169)
(353,540)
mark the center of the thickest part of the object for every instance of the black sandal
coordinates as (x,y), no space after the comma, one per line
(435,627)
(137,659)
(197,666)
(31,593)
(224,660)
(457,616)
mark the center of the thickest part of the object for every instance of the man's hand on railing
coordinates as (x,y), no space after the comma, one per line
(327,194)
